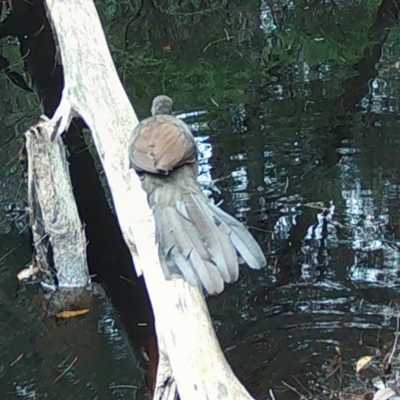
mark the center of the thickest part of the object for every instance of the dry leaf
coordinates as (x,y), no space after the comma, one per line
(72,314)
(363,362)
(384,394)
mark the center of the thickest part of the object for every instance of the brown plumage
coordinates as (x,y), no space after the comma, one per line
(196,238)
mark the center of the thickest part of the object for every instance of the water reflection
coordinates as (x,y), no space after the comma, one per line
(324,211)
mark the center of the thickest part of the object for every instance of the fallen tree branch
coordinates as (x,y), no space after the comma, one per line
(188,345)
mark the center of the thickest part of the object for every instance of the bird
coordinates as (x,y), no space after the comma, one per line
(196,238)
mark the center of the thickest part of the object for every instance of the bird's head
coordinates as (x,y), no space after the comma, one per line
(161,105)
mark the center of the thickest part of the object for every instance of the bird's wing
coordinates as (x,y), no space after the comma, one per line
(160,144)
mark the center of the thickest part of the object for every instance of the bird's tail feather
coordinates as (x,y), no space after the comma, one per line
(199,240)
(185,250)
(241,238)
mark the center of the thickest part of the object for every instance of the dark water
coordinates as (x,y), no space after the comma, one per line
(46,358)
(296,117)
(329,282)
(311,162)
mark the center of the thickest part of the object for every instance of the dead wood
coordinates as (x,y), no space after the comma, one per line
(191,359)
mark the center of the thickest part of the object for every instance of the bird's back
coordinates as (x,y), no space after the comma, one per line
(160,144)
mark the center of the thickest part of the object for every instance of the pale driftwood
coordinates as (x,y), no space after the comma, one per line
(53,215)
(188,345)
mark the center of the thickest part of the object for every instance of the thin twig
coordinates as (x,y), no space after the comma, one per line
(259,229)
(123,387)
(8,253)
(395,341)
(66,369)
(293,389)
(16,360)
(301,385)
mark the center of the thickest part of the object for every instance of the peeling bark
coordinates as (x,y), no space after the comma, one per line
(58,237)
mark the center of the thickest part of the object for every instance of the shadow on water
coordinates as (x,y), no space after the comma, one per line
(296,118)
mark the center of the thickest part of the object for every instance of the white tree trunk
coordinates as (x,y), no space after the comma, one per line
(188,346)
